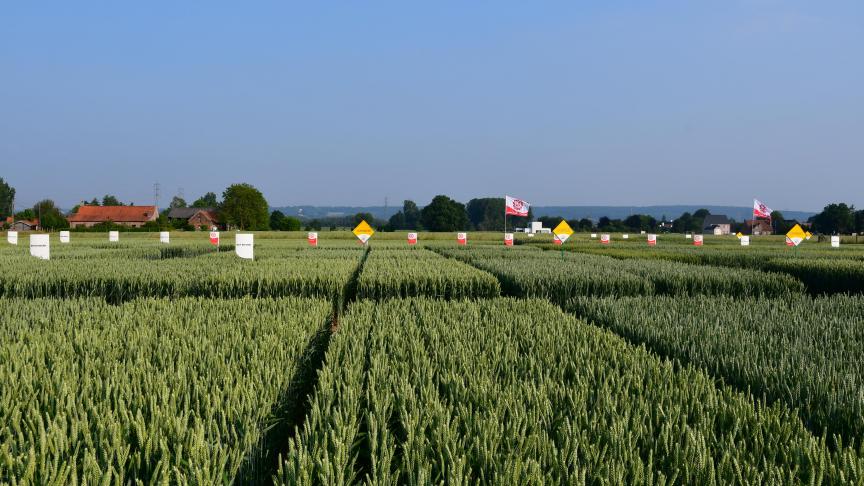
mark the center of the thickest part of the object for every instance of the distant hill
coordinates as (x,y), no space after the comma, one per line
(738,213)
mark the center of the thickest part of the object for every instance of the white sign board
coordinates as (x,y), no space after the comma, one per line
(745,241)
(688,236)
(835,242)
(164,237)
(652,240)
(12,237)
(64,237)
(40,246)
(113,236)
(625,236)
(593,235)
(244,246)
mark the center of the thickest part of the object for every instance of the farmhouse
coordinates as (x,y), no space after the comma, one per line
(132,216)
(25,225)
(716,224)
(759,227)
(197,218)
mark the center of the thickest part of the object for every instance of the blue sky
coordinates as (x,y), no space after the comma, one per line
(332,103)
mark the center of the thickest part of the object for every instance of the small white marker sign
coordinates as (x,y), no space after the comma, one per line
(745,241)
(40,246)
(64,237)
(114,236)
(12,237)
(244,246)
(835,242)
(164,237)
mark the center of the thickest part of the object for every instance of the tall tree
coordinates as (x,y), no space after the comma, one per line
(244,207)
(177,202)
(835,219)
(49,215)
(444,214)
(859,221)
(412,214)
(280,222)
(364,217)
(7,199)
(208,200)
(110,200)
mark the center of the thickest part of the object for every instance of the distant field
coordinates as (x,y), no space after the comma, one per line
(181,363)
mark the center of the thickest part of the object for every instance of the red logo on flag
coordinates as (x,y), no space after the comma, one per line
(515,207)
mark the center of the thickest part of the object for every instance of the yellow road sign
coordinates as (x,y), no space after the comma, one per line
(796,235)
(563,231)
(363,231)
(739,235)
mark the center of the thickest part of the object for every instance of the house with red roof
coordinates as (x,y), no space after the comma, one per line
(132,216)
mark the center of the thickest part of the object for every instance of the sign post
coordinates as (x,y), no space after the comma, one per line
(12,237)
(796,235)
(64,237)
(562,232)
(412,239)
(312,238)
(462,238)
(164,237)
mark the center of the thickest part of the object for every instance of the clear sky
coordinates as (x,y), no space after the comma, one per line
(344,103)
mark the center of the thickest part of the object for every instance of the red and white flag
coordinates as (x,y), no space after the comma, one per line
(412,238)
(697,240)
(760,210)
(515,207)
(508,239)
(604,239)
(312,238)
(462,238)
(214,237)
(652,240)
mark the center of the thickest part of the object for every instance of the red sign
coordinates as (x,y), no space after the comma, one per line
(312,238)
(697,240)
(412,238)
(508,239)
(652,240)
(462,238)
(604,239)
(214,237)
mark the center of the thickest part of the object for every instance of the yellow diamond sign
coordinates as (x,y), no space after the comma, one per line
(796,235)
(562,231)
(808,235)
(363,231)
(739,235)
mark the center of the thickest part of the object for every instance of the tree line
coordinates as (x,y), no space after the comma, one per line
(242,206)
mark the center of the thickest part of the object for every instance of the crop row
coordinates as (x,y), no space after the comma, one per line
(504,391)
(213,275)
(802,351)
(420,272)
(823,271)
(559,277)
(154,391)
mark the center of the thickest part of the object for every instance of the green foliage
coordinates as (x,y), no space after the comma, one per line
(444,214)
(505,391)
(799,350)
(7,199)
(177,202)
(206,201)
(50,217)
(280,222)
(835,219)
(109,200)
(245,208)
(154,391)
(406,219)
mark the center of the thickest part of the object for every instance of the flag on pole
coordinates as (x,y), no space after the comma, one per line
(760,210)
(515,207)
